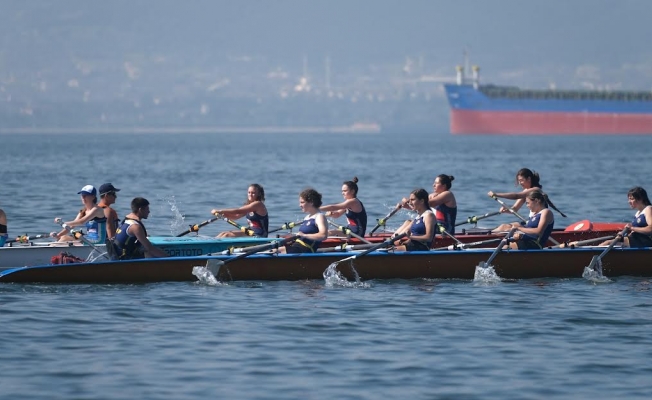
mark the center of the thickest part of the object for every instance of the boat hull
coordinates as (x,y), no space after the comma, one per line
(561,123)
(457,264)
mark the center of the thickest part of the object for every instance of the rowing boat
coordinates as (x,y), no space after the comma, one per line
(38,253)
(441,264)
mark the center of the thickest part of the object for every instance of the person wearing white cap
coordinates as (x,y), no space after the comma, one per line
(90,215)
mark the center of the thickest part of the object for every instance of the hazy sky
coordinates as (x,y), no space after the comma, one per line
(498,33)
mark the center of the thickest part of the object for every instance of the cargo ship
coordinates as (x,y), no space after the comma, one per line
(492,109)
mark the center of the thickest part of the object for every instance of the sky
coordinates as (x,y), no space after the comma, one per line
(498,34)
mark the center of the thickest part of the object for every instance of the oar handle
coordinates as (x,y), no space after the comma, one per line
(474,219)
(195,228)
(243,229)
(286,226)
(511,210)
(383,221)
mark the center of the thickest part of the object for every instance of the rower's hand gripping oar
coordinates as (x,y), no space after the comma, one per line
(286,226)
(486,264)
(511,210)
(213,265)
(247,231)
(474,219)
(384,244)
(80,236)
(26,238)
(596,261)
(383,221)
(195,228)
(348,231)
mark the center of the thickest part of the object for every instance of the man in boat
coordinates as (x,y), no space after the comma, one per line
(3,228)
(131,240)
(108,195)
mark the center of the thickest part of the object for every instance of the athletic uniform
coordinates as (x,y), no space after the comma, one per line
(96,230)
(357,220)
(640,239)
(446,217)
(305,245)
(259,224)
(418,228)
(3,234)
(126,246)
(530,241)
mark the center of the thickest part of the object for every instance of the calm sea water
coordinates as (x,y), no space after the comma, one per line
(269,340)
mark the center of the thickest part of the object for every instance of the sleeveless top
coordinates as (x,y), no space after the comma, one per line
(3,234)
(96,230)
(309,226)
(259,224)
(127,246)
(357,220)
(533,222)
(637,239)
(116,220)
(418,228)
(446,217)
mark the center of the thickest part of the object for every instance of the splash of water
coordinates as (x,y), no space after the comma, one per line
(204,275)
(594,275)
(177,221)
(486,274)
(334,278)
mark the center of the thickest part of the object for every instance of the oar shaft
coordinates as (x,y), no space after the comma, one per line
(25,238)
(613,242)
(243,229)
(474,219)
(500,246)
(383,221)
(347,231)
(286,226)
(81,237)
(195,228)
(511,210)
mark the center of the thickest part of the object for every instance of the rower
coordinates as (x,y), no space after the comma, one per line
(351,207)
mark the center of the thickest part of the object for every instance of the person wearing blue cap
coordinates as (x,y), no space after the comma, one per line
(90,215)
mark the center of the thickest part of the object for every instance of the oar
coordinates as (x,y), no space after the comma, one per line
(243,229)
(503,242)
(474,219)
(214,264)
(596,261)
(386,243)
(348,231)
(383,221)
(80,236)
(25,238)
(443,231)
(286,226)
(195,228)
(572,245)
(511,210)
(472,244)
(344,247)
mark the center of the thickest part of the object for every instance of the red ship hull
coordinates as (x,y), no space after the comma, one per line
(562,123)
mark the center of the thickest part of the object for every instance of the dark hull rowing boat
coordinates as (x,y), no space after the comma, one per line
(459,264)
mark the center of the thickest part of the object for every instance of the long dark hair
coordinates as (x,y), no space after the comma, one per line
(527,173)
(259,190)
(638,193)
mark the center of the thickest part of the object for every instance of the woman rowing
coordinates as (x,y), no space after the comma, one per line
(90,215)
(442,201)
(351,207)
(3,228)
(537,230)
(421,230)
(640,229)
(255,211)
(529,181)
(314,228)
